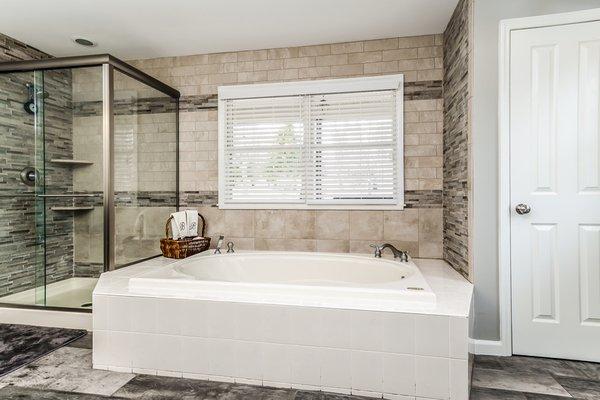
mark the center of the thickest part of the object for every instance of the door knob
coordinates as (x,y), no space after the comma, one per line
(522,209)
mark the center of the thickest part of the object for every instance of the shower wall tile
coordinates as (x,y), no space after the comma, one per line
(19,256)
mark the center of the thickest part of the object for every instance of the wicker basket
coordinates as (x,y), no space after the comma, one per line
(182,248)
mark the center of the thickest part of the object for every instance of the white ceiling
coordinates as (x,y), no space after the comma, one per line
(132,29)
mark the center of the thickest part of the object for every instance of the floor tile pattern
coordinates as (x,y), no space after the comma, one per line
(67,374)
(21,344)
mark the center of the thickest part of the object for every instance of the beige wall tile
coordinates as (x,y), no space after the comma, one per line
(239,223)
(314,72)
(366,225)
(381,44)
(401,225)
(299,224)
(350,47)
(347,70)
(332,225)
(239,243)
(333,246)
(400,54)
(269,244)
(430,225)
(362,246)
(371,56)
(318,50)
(300,62)
(301,245)
(269,224)
(336,59)
(286,52)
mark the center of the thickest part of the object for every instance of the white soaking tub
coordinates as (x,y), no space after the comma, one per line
(316,279)
(350,324)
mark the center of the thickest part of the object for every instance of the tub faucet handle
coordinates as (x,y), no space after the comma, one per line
(230,248)
(219,244)
(377,250)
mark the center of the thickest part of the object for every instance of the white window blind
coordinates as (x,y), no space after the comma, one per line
(310,149)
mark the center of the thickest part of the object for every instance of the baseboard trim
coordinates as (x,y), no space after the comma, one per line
(488,347)
(49,318)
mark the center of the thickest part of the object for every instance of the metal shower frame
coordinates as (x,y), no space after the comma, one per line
(109,64)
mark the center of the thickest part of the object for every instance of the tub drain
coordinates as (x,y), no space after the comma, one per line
(87,305)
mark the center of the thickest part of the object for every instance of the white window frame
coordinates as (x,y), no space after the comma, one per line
(328,86)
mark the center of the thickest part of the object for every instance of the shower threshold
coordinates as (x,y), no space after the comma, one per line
(68,293)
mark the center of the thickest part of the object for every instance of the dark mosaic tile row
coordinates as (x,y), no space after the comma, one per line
(422,90)
(456,145)
(412,198)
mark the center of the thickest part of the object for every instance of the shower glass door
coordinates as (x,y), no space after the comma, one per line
(71,181)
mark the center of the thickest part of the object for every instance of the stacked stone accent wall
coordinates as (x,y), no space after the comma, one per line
(457,51)
(19,255)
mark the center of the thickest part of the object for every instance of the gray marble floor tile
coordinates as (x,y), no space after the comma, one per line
(518,381)
(314,395)
(21,344)
(84,342)
(551,366)
(581,388)
(488,362)
(20,393)
(495,394)
(67,369)
(147,387)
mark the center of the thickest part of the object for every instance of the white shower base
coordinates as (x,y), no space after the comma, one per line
(70,293)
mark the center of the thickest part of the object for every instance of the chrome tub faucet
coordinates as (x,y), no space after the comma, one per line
(219,244)
(399,254)
(230,248)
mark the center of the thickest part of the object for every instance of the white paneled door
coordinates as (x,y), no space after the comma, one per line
(555,191)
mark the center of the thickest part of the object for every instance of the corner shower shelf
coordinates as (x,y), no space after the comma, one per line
(66,209)
(71,162)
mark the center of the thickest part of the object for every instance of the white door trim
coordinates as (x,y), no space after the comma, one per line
(504,263)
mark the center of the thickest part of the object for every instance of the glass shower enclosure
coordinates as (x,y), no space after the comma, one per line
(88,175)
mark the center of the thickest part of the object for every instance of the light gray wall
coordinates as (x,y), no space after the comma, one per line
(487,14)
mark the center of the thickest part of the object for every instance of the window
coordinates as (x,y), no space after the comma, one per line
(312,145)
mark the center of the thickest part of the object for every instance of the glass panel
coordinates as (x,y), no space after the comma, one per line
(145,145)
(37,93)
(21,241)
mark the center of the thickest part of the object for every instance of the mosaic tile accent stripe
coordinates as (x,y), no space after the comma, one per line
(456,139)
(421,90)
(412,199)
(128,199)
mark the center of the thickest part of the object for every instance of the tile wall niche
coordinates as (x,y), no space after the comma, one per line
(457,154)
(417,229)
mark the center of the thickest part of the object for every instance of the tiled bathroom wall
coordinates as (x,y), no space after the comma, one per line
(417,229)
(18,258)
(457,97)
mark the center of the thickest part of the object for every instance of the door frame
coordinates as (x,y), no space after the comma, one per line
(504,210)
